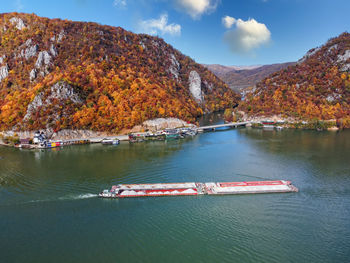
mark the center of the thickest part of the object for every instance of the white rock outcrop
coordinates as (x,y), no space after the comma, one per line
(174,66)
(345,57)
(44,59)
(333,97)
(194,81)
(30,51)
(2,58)
(4,72)
(60,91)
(32,74)
(345,67)
(163,123)
(309,54)
(63,91)
(17,22)
(53,50)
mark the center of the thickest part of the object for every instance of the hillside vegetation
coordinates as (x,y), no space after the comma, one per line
(62,74)
(316,88)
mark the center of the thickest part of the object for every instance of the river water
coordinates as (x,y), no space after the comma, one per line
(49,211)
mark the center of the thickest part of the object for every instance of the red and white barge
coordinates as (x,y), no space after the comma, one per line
(254,187)
(142,190)
(174,189)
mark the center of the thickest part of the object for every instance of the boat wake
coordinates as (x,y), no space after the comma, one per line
(77,197)
(63,198)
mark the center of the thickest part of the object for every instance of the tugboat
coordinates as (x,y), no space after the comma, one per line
(108,194)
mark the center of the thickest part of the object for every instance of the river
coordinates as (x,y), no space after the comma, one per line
(49,211)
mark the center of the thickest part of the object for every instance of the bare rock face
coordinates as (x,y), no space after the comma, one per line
(4,72)
(345,67)
(310,53)
(44,59)
(17,22)
(53,50)
(30,51)
(32,74)
(174,66)
(163,123)
(195,86)
(61,92)
(2,58)
(43,63)
(343,59)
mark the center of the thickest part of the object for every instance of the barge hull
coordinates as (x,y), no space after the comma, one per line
(175,189)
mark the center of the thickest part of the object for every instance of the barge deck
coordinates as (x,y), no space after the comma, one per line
(221,188)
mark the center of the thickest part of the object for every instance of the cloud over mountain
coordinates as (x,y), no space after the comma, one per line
(160,26)
(196,8)
(246,35)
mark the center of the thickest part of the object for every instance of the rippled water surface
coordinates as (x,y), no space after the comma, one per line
(49,211)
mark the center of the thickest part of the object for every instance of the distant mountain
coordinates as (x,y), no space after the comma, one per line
(62,74)
(220,70)
(239,78)
(317,87)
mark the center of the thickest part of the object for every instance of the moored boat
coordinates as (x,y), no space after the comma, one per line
(110,141)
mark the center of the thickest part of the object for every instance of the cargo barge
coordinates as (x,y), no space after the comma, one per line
(175,189)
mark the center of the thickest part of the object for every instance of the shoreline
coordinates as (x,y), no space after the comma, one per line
(74,137)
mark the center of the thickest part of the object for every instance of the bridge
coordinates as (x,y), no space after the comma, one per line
(229,125)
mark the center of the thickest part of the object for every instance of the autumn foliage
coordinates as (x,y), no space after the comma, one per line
(318,87)
(122,78)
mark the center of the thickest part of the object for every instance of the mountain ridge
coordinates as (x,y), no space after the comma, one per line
(63,74)
(316,88)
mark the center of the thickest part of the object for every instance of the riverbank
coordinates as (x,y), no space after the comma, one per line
(68,137)
(293,123)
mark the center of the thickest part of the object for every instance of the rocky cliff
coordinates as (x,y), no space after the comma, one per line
(61,74)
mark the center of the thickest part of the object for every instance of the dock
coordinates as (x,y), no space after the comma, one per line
(225,125)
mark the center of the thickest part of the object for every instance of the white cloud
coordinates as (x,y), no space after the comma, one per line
(195,8)
(119,3)
(247,35)
(160,26)
(228,21)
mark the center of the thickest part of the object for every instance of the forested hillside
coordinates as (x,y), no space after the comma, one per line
(62,74)
(317,87)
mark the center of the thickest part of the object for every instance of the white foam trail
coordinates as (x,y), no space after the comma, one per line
(63,198)
(76,197)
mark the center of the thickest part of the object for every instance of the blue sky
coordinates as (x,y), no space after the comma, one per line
(227,32)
